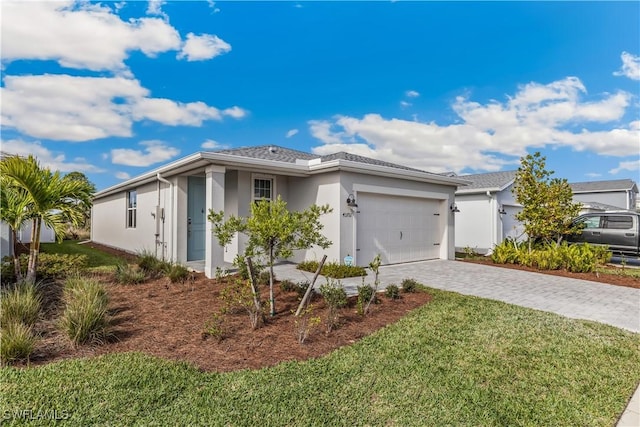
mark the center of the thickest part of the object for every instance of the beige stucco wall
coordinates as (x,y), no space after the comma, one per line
(108,220)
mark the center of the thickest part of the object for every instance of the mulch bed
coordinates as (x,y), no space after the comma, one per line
(168,320)
(611,279)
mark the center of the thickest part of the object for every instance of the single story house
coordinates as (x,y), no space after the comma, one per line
(487,211)
(47,235)
(401,213)
(487,207)
(610,195)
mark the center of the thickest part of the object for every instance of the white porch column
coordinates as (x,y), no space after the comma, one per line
(214,253)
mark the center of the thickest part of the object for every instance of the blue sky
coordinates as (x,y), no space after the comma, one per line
(116,89)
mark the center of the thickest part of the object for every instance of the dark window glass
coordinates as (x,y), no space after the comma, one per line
(620,222)
(262,189)
(132,203)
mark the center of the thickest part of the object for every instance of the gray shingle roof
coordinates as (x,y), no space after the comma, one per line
(610,185)
(282,154)
(269,152)
(601,206)
(488,181)
(361,159)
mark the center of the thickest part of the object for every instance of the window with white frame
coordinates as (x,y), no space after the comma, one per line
(262,188)
(132,203)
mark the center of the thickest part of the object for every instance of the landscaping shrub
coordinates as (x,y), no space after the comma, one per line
(392,292)
(300,287)
(178,273)
(20,303)
(50,266)
(126,274)
(305,323)
(577,258)
(366,293)
(85,319)
(17,341)
(335,297)
(333,269)
(410,285)
(238,295)
(507,252)
(59,266)
(152,266)
(214,327)
(243,271)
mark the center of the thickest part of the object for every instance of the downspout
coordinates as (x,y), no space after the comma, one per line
(493,210)
(166,181)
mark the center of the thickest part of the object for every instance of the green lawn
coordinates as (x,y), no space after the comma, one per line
(459,360)
(96,258)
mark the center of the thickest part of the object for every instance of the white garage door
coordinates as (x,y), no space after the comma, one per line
(400,229)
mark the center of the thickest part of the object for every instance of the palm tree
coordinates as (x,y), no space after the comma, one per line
(51,199)
(14,212)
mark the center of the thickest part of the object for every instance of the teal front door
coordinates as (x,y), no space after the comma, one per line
(196,218)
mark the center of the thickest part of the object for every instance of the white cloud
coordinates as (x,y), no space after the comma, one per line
(412,94)
(80,35)
(630,66)
(593,174)
(154,152)
(47,158)
(212,5)
(203,47)
(155,8)
(405,104)
(235,112)
(632,165)
(291,133)
(122,175)
(210,144)
(63,107)
(492,135)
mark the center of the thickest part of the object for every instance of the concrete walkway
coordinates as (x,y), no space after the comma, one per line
(579,299)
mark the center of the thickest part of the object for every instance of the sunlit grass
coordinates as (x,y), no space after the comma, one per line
(458,360)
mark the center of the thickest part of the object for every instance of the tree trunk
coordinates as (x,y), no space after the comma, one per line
(34,248)
(16,257)
(254,291)
(272,300)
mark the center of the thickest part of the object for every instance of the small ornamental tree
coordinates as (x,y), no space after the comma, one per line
(547,203)
(273,231)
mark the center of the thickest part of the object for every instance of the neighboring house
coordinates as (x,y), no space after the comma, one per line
(488,207)
(404,214)
(47,235)
(610,195)
(487,211)
(6,242)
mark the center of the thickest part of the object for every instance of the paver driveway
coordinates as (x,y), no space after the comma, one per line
(580,299)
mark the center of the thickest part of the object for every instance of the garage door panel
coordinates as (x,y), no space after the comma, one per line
(400,229)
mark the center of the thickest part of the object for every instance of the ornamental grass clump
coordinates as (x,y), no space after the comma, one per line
(85,319)
(21,303)
(126,274)
(153,267)
(17,342)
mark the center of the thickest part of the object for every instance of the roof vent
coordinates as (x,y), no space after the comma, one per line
(272,149)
